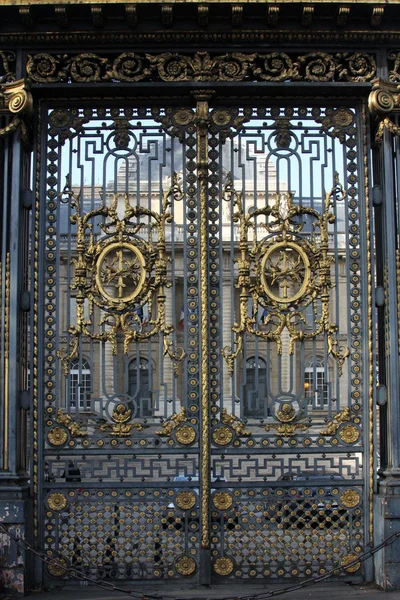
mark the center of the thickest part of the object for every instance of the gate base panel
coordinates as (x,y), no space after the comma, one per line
(387,523)
(16,518)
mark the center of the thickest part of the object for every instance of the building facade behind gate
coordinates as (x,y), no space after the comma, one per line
(199,292)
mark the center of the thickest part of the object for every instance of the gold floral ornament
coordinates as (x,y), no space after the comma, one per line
(222,435)
(223,565)
(173,421)
(286,414)
(57,567)
(120,271)
(284,259)
(349,558)
(222,500)
(185,500)
(57,436)
(120,428)
(350,498)
(185,434)
(185,565)
(73,427)
(349,433)
(57,501)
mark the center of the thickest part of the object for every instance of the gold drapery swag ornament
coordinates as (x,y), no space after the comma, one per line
(120,271)
(284,258)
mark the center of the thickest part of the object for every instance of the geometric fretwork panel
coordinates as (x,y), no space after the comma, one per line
(110,534)
(287,532)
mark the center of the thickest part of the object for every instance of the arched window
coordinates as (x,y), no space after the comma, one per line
(316,385)
(80,384)
(139,386)
(255,396)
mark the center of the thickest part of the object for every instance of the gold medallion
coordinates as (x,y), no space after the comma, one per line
(348,559)
(185,434)
(350,498)
(223,565)
(286,264)
(222,435)
(185,565)
(222,500)
(349,434)
(120,272)
(57,436)
(57,501)
(58,568)
(185,500)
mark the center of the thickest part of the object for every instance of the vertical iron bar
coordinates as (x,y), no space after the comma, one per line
(202,174)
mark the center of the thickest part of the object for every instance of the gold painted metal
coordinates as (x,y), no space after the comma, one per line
(222,500)
(35,342)
(350,498)
(223,566)
(185,565)
(57,501)
(349,434)
(16,101)
(120,428)
(202,118)
(173,421)
(6,363)
(340,417)
(222,435)
(237,424)
(348,559)
(185,434)
(104,269)
(57,567)
(57,436)
(73,427)
(371,358)
(286,414)
(384,99)
(201,66)
(300,268)
(80,2)
(185,500)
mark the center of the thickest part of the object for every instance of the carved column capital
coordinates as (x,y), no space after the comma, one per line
(383,100)
(16,101)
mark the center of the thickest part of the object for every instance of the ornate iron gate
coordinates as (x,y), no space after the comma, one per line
(202,327)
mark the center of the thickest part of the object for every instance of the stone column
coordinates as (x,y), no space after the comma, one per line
(387,503)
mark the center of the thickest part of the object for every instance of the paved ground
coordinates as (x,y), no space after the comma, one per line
(326,591)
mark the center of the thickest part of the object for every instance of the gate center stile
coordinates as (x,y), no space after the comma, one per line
(202,373)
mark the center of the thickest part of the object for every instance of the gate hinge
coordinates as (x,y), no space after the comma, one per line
(25,300)
(379,296)
(27,199)
(377,195)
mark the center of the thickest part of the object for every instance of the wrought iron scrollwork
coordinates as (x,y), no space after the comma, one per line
(284,272)
(201,66)
(120,271)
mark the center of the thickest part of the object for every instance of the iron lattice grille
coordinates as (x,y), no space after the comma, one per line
(287,302)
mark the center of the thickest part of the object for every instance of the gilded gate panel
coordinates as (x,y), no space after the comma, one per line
(205,316)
